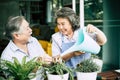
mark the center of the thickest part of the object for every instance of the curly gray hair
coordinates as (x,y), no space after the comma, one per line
(69,14)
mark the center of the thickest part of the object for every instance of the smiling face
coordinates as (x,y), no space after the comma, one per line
(64,26)
(25,29)
(24,33)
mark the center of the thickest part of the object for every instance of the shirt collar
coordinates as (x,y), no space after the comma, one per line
(75,35)
(14,47)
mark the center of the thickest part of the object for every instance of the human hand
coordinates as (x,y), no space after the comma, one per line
(46,58)
(91,29)
(57,59)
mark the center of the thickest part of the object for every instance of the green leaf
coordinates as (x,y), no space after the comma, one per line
(24,60)
(20,71)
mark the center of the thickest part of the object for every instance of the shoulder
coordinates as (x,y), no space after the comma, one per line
(57,35)
(57,38)
(8,51)
(32,39)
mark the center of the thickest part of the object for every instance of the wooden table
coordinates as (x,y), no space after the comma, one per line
(109,75)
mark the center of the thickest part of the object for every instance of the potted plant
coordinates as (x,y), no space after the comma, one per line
(98,61)
(57,70)
(87,70)
(20,71)
(3,72)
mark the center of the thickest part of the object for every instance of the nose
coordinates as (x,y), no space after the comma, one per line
(30,29)
(61,27)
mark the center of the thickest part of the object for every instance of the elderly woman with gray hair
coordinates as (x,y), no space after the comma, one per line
(68,24)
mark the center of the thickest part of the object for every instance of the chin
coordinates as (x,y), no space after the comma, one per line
(30,36)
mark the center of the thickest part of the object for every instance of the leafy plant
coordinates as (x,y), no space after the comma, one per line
(94,56)
(59,68)
(20,71)
(87,66)
(3,72)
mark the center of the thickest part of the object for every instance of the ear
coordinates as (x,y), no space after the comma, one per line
(16,36)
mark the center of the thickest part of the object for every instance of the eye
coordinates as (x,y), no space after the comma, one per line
(58,24)
(28,27)
(63,24)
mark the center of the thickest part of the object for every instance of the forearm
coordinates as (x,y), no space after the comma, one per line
(70,55)
(100,37)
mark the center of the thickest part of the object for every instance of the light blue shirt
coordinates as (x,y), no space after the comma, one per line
(34,50)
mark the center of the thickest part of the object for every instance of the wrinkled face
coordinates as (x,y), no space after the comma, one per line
(64,26)
(25,32)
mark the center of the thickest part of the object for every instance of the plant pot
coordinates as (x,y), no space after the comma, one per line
(57,77)
(86,76)
(99,62)
(39,74)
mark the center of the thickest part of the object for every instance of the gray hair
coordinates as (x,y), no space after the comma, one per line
(13,26)
(69,14)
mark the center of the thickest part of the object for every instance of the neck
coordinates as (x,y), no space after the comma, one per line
(70,35)
(22,46)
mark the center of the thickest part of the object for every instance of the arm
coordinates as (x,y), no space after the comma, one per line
(56,43)
(73,54)
(42,55)
(100,36)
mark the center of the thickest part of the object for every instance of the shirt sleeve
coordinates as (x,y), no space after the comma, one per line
(56,50)
(93,36)
(7,57)
(39,48)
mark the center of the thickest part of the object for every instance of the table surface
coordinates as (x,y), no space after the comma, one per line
(109,75)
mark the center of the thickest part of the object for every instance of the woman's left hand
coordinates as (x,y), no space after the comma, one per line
(91,29)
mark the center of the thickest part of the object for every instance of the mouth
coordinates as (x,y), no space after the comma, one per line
(30,33)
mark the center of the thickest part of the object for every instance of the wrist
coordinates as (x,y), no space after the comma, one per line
(73,54)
